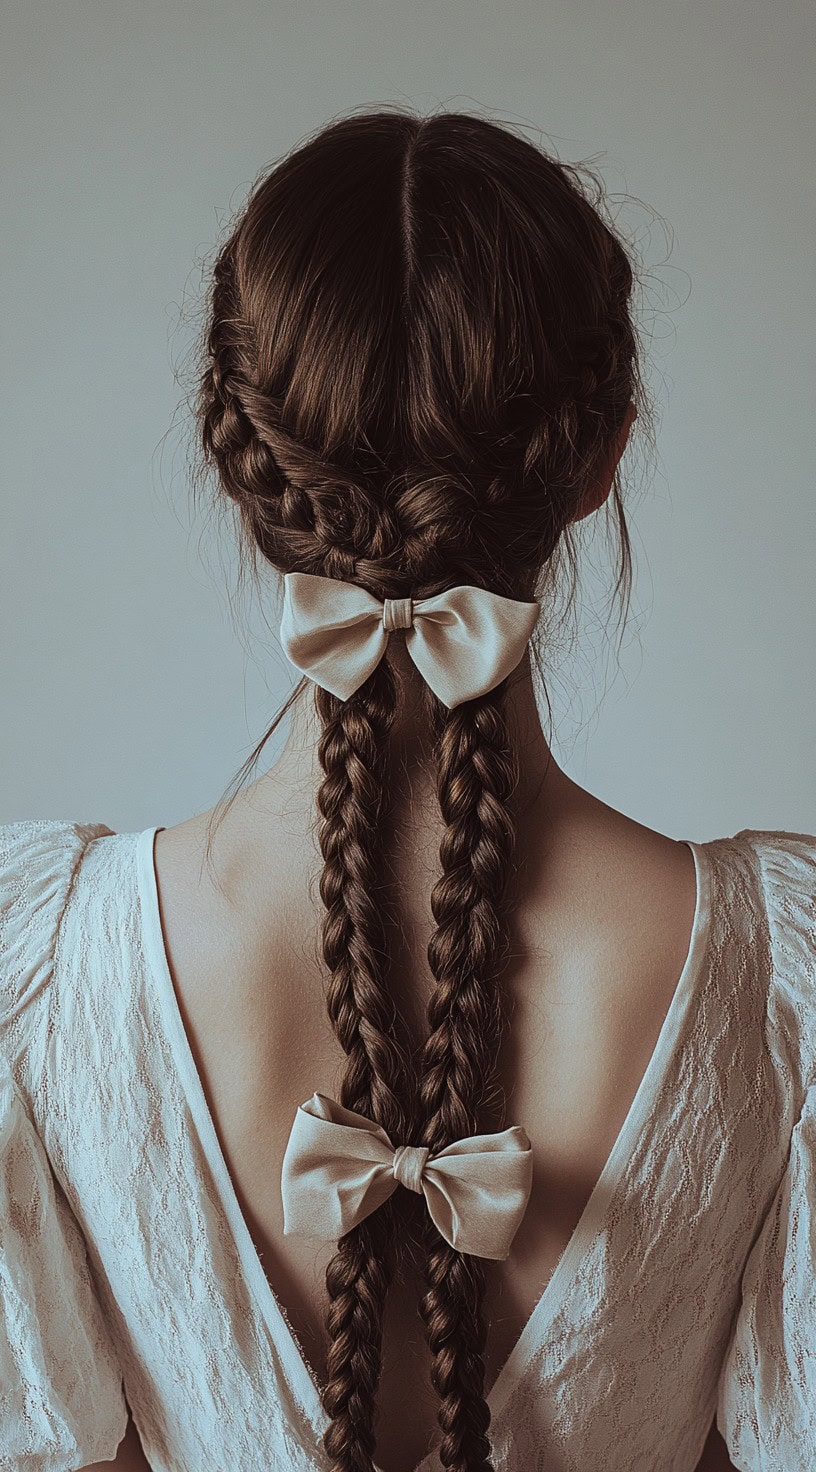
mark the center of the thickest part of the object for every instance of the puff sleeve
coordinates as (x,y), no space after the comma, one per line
(61,1400)
(766,1407)
(62,1403)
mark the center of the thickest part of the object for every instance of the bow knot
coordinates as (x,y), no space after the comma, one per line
(398,613)
(463,641)
(409,1163)
(339,1166)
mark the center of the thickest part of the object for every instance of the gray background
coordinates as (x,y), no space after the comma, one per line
(134,682)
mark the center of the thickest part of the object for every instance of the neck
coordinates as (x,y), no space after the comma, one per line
(298,767)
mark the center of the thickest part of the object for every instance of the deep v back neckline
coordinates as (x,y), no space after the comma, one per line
(302,1377)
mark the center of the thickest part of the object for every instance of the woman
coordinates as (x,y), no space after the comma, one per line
(414,954)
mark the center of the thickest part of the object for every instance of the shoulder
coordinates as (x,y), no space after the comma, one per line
(785,866)
(776,869)
(800,847)
(39,860)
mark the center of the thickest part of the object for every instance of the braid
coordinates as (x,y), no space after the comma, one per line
(476,775)
(353,750)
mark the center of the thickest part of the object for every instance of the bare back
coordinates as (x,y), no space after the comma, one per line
(603,912)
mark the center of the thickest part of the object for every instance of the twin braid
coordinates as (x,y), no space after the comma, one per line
(476,777)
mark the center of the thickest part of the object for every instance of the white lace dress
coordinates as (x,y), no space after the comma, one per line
(688,1287)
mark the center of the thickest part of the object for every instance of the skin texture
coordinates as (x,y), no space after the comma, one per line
(603,911)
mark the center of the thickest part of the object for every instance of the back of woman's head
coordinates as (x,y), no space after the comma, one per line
(418,358)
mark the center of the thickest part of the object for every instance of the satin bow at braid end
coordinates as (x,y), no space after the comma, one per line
(464,641)
(339,1167)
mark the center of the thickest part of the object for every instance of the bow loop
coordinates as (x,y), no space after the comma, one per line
(339,1166)
(464,641)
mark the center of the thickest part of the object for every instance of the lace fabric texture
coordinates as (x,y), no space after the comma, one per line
(688,1290)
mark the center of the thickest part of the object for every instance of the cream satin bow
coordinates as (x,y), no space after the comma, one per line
(463,641)
(339,1166)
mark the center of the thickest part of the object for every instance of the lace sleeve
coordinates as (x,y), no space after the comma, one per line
(766,1408)
(62,1404)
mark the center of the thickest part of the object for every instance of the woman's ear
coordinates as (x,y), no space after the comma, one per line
(602,485)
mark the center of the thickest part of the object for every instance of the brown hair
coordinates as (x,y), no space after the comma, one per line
(419,351)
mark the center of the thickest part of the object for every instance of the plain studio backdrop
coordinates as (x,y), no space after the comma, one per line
(136,675)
